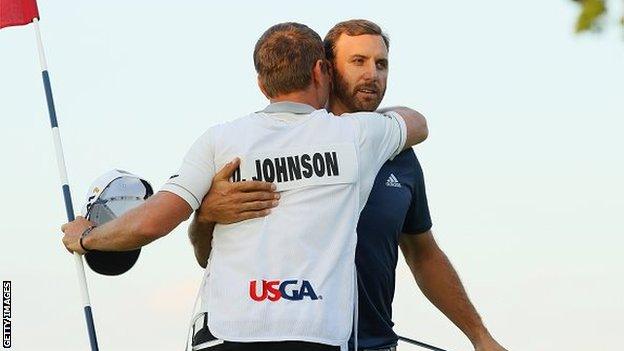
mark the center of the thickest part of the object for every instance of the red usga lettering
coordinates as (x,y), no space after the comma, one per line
(273,290)
(270,290)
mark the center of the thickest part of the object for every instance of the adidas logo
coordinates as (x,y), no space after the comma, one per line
(393,181)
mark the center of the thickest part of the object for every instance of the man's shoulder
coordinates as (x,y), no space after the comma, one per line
(208,136)
(406,162)
(248,118)
(372,123)
(406,158)
(367,115)
(235,125)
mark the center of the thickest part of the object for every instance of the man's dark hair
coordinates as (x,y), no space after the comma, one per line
(285,56)
(354,28)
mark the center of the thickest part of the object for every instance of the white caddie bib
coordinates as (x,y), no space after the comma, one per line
(289,275)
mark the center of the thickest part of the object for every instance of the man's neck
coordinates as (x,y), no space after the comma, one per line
(300,97)
(336,107)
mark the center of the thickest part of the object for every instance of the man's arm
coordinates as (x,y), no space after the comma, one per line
(439,282)
(228,202)
(200,235)
(155,218)
(415,123)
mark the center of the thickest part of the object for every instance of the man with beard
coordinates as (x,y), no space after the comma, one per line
(396,213)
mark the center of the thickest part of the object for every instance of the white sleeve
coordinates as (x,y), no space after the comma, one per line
(382,136)
(193,179)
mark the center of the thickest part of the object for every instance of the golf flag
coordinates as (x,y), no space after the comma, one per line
(17,12)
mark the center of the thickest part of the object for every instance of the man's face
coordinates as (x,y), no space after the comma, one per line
(360,71)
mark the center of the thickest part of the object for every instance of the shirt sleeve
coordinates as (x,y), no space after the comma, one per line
(192,181)
(417,219)
(382,136)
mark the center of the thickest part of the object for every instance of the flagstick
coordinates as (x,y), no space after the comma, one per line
(69,208)
(418,343)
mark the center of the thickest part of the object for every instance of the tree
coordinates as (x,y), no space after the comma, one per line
(592,16)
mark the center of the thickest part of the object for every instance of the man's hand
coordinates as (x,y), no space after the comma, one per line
(73,230)
(229,202)
(439,281)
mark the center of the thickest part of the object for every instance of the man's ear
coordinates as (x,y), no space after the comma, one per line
(319,71)
(330,68)
(262,88)
(330,71)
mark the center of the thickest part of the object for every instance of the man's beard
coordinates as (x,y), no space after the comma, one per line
(353,101)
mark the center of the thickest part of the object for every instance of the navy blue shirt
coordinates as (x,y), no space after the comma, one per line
(397,204)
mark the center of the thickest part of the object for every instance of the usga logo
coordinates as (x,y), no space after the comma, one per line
(274,290)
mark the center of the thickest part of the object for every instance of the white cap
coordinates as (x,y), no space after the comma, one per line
(110,196)
(127,188)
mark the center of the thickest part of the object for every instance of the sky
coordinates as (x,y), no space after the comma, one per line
(523,164)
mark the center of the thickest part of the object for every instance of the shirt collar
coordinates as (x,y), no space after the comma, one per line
(289,107)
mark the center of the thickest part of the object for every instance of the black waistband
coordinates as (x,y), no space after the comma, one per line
(202,335)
